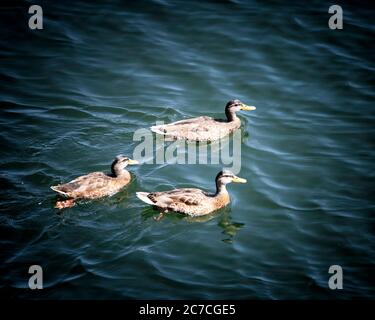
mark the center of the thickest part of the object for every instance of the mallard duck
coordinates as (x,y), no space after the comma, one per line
(96,184)
(193,202)
(204,128)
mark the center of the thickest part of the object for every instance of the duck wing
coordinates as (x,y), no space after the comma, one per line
(200,128)
(180,200)
(87,186)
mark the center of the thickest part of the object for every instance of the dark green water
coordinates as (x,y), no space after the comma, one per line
(73,93)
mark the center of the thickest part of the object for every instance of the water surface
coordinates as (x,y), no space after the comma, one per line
(73,93)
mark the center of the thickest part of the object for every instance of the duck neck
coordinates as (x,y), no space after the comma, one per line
(220,188)
(118,172)
(231,115)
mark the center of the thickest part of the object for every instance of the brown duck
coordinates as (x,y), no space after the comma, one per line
(96,184)
(204,128)
(193,202)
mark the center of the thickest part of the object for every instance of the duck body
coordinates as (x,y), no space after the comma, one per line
(95,184)
(204,128)
(198,129)
(191,201)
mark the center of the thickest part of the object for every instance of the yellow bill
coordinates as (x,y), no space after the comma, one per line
(239,180)
(248,108)
(132,162)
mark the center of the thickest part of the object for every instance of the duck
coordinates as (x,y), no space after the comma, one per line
(95,184)
(192,201)
(204,128)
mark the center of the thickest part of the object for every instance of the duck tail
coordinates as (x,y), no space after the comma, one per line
(144,197)
(58,190)
(158,129)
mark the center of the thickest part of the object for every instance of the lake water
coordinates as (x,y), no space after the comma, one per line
(73,94)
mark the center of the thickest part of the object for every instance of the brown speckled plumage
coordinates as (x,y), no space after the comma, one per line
(98,184)
(204,128)
(191,201)
(93,185)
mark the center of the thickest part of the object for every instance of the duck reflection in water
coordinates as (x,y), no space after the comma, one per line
(225,222)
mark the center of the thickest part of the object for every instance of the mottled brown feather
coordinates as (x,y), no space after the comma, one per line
(93,185)
(193,202)
(199,129)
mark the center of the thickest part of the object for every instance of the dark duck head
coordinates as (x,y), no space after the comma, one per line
(233,106)
(224,177)
(120,163)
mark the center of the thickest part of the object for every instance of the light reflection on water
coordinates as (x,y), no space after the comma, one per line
(73,95)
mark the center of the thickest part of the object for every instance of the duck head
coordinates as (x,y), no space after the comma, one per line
(224,177)
(120,163)
(236,105)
